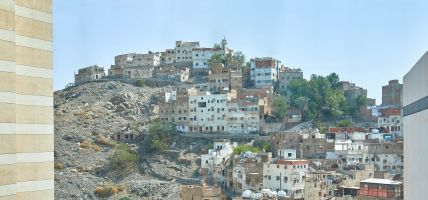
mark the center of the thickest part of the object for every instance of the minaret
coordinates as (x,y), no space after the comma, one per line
(224,44)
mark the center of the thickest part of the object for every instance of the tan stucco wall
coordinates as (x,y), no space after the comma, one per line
(26,100)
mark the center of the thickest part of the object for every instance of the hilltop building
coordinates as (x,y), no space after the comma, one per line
(392,94)
(88,74)
(201,56)
(183,52)
(264,72)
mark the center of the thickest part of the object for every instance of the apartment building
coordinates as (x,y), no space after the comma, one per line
(183,52)
(174,107)
(243,116)
(167,57)
(133,65)
(219,79)
(201,56)
(264,72)
(248,171)
(385,156)
(392,123)
(286,175)
(135,59)
(236,79)
(26,100)
(392,94)
(214,163)
(208,112)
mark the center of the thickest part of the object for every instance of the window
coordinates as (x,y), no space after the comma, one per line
(277,178)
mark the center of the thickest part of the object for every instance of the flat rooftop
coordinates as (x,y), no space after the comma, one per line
(381,181)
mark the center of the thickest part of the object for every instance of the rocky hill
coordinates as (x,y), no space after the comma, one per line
(86,116)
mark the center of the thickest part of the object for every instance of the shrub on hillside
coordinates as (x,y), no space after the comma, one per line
(123,158)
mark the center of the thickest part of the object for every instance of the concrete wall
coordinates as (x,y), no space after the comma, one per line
(26,100)
(415,128)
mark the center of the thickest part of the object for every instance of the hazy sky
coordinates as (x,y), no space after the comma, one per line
(367,42)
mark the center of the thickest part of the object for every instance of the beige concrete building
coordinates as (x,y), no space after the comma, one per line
(26,100)
(415,127)
(87,74)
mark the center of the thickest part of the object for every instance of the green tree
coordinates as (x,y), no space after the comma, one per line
(244,148)
(216,58)
(140,83)
(279,107)
(238,60)
(344,123)
(161,135)
(216,46)
(323,97)
(334,79)
(123,158)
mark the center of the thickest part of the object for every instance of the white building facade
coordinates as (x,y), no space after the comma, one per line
(243,117)
(286,175)
(213,164)
(392,123)
(183,51)
(264,72)
(208,112)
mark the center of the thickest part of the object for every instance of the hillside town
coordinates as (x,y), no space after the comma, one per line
(272,133)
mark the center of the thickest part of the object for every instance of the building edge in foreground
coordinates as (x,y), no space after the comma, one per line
(415,113)
(26,100)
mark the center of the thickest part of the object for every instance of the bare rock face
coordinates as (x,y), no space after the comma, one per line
(120,108)
(82,114)
(123,98)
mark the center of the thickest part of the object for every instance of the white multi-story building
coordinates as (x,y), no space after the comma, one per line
(243,116)
(385,156)
(264,72)
(208,112)
(286,175)
(213,164)
(351,152)
(201,56)
(392,123)
(183,52)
